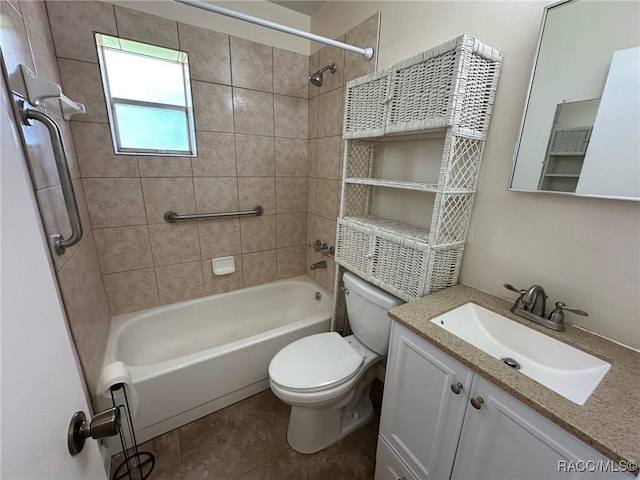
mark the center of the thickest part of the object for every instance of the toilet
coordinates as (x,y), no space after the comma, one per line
(326,377)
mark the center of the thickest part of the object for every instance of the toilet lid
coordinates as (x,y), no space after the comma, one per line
(316,362)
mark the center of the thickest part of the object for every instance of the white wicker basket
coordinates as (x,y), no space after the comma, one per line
(452,85)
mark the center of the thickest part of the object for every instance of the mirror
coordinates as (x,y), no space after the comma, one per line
(580,133)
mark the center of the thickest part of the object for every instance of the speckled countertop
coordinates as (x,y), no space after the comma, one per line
(609,420)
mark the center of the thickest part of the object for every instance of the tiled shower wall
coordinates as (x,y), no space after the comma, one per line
(26,39)
(326,146)
(250,104)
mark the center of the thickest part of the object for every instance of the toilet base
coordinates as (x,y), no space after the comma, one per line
(313,429)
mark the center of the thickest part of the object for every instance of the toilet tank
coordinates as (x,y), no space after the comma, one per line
(367,307)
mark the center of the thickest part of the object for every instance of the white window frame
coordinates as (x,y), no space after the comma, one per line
(182,59)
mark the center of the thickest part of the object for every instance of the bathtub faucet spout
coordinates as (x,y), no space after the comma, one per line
(321,264)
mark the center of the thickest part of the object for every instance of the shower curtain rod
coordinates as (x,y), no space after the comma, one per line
(366,52)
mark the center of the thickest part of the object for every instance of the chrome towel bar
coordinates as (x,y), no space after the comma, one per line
(59,242)
(172,217)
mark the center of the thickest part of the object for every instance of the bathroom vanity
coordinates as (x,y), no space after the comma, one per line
(452,411)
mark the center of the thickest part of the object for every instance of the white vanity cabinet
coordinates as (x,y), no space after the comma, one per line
(436,433)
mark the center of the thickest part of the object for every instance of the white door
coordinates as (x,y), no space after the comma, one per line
(421,413)
(41,384)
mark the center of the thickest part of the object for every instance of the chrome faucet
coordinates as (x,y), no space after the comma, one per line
(531,305)
(320,264)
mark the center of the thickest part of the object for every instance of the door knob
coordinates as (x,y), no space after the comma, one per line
(477,402)
(103,424)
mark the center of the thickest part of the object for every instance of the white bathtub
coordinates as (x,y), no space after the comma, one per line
(192,358)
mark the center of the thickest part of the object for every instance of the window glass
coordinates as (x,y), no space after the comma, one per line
(149,128)
(148,97)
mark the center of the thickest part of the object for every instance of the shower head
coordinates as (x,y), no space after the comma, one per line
(316,78)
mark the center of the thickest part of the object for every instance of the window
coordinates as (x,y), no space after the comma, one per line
(148,97)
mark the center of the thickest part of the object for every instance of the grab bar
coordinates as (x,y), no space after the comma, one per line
(59,242)
(172,217)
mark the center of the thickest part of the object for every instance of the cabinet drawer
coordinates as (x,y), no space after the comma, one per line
(389,466)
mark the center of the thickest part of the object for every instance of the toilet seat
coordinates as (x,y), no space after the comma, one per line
(315,363)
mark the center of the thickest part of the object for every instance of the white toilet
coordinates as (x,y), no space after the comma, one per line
(326,378)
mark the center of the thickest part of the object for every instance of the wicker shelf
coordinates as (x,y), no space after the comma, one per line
(447,92)
(375,182)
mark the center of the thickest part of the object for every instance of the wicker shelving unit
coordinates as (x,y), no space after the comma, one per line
(565,156)
(447,91)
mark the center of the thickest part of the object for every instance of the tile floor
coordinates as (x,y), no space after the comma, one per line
(247,441)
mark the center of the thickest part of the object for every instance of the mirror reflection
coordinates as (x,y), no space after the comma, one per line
(581,130)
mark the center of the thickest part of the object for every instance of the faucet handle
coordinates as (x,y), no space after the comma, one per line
(508,286)
(561,306)
(557,315)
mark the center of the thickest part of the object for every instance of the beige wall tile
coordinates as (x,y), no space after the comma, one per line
(216,155)
(323,276)
(34,13)
(164,166)
(173,243)
(114,202)
(253,112)
(314,66)
(177,283)
(291,117)
(82,82)
(326,229)
(87,308)
(292,229)
(259,267)
(258,233)
(313,117)
(131,291)
(291,194)
(94,149)
(122,249)
(220,237)
(312,230)
(327,198)
(290,73)
(255,191)
(329,164)
(311,195)
(313,158)
(15,47)
(208,51)
(55,218)
(146,28)
(329,55)
(251,65)
(291,157)
(291,261)
(330,113)
(213,107)
(255,156)
(365,34)
(45,61)
(222,283)
(214,195)
(73,24)
(162,194)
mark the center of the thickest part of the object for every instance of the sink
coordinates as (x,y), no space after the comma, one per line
(568,371)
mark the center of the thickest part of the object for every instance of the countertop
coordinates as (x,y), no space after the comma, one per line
(609,420)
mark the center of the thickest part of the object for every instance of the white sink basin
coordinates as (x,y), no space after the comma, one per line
(568,371)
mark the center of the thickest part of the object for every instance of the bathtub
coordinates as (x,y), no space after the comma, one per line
(189,359)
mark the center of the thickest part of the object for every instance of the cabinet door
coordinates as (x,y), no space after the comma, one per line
(389,466)
(505,439)
(421,415)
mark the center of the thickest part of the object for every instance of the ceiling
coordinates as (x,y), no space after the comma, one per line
(306,7)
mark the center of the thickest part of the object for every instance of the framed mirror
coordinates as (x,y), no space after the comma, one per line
(580,133)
